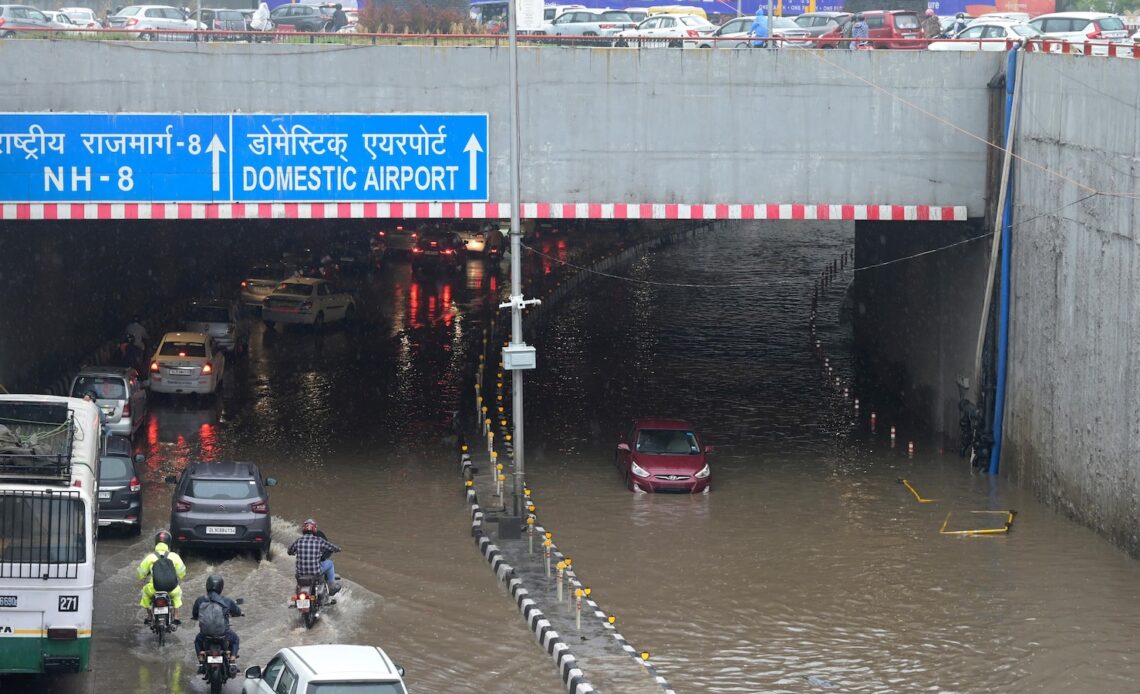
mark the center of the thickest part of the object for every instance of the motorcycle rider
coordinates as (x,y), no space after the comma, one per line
(215,584)
(162,541)
(313,551)
(138,333)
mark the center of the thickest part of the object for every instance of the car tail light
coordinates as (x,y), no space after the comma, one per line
(448,251)
(258,507)
(154,367)
(244,283)
(1095,32)
(606,26)
(417,249)
(135,485)
(381,234)
(160,601)
(434,244)
(132,21)
(306,305)
(692,33)
(1,21)
(207,368)
(127,410)
(182,506)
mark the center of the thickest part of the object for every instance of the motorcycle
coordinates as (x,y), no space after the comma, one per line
(160,622)
(311,597)
(218,665)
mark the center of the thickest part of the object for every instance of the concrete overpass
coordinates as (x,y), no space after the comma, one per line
(605,133)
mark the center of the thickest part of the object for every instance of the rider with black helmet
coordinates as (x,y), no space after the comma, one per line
(145,572)
(215,584)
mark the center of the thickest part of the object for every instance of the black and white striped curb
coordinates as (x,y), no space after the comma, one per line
(572,676)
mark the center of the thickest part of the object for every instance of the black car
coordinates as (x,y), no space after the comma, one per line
(303,17)
(218,20)
(120,485)
(352,253)
(439,250)
(223,505)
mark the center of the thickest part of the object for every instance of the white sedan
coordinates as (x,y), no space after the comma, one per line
(308,301)
(187,363)
(672,30)
(83,17)
(986,36)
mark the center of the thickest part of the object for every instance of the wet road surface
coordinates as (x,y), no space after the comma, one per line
(807,567)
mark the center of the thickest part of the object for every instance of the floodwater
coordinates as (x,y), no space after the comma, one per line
(808,567)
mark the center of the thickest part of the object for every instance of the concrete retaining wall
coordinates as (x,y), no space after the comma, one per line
(1073,413)
(598,125)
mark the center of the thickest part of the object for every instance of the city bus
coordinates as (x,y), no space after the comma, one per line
(49,453)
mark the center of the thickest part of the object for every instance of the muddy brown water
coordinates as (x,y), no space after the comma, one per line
(808,567)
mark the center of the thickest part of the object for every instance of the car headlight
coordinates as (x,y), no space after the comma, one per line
(638,470)
(704,472)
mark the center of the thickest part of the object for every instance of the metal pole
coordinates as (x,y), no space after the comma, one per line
(768,44)
(516,264)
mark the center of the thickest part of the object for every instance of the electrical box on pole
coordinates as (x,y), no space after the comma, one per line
(518,356)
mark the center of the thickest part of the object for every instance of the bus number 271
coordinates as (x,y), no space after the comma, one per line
(69,603)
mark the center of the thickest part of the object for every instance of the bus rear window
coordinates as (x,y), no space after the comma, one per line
(41,528)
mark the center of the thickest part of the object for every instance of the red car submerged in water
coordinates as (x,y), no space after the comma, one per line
(663,455)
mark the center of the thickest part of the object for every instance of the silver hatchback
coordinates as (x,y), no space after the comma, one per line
(223,505)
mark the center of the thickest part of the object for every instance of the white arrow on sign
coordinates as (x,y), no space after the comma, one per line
(216,148)
(474,148)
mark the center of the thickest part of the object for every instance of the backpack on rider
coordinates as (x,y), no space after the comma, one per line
(212,619)
(163,574)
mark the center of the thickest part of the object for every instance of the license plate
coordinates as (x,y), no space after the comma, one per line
(8,600)
(181,372)
(431,252)
(103,496)
(161,610)
(214,659)
(302,604)
(220,530)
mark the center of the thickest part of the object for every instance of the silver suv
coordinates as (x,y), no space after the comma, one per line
(118,392)
(223,505)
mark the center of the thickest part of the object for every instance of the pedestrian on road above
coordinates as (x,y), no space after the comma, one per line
(931,26)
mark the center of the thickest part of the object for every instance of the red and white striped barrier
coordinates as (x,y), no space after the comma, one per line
(477,210)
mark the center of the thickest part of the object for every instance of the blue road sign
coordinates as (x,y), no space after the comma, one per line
(341,157)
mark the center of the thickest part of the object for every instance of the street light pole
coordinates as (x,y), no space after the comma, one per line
(517,355)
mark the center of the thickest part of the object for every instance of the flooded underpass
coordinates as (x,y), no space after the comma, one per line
(807,567)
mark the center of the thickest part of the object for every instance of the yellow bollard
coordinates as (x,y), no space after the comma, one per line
(490,437)
(530,534)
(502,478)
(578,608)
(526,490)
(561,566)
(546,550)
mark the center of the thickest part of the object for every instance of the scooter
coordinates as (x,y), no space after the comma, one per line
(218,665)
(160,622)
(311,597)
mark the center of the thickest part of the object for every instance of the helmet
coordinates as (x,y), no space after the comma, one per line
(960,15)
(163,536)
(215,584)
(309,527)
(929,13)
